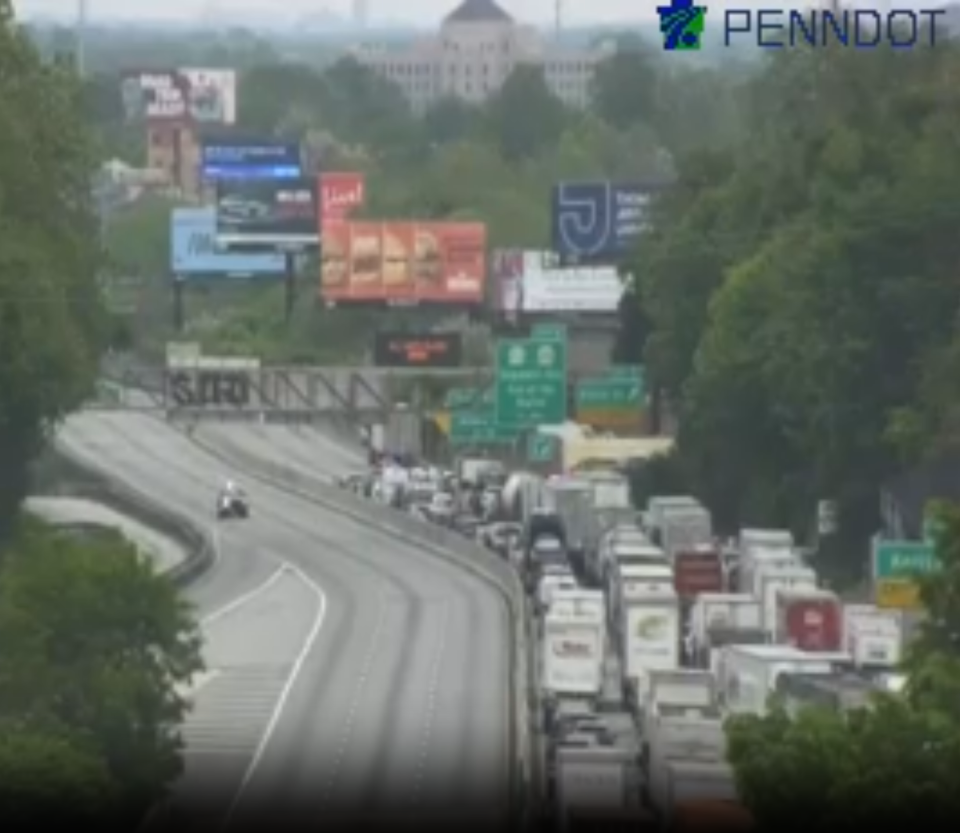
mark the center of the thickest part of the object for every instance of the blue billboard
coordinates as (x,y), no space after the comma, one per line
(241,159)
(597,221)
(194,252)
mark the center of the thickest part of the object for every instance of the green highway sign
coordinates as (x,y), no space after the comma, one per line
(541,448)
(902,559)
(457,398)
(479,427)
(531,386)
(611,392)
(549,332)
(616,400)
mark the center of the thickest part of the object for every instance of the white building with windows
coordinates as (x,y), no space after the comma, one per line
(477,48)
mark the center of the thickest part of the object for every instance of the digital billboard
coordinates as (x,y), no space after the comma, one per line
(340,193)
(537,282)
(598,221)
(194,251)
(418,350)
(404,263)
(249,159)
(182,96)
(267,213)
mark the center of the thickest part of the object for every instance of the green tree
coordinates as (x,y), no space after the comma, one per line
(93,643)
(50,315)
(625,91)
(524,116)
(48,779)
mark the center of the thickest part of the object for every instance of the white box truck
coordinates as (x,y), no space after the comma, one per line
(650,640)
(572,647)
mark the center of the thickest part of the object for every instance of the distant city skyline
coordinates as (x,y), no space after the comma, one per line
(422,13)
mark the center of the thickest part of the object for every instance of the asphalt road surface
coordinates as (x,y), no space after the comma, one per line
(350,677)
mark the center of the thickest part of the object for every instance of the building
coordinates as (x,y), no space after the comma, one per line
(476,49)
(359,8)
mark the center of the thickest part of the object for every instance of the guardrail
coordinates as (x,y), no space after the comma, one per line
(59,473)
(437,541)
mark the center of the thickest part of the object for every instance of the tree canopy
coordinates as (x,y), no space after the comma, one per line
(93,644)
(800,288)
(50,314)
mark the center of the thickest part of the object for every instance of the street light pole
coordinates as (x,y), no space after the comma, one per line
(81,37)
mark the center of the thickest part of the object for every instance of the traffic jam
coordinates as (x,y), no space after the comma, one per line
(647,632)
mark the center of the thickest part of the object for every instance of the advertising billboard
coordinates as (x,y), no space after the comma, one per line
(267,213)
(597,221)
(194,251)
(187,96)
(418,350)
(249,159)
(340,193)
(404,263)
(537,282)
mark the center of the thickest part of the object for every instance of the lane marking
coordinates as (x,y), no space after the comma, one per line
(359,689)
(285,692)
(239,601)
(426,731)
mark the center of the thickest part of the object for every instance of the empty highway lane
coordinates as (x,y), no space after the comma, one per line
(350,674)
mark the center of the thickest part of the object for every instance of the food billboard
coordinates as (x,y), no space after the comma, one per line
(404,262)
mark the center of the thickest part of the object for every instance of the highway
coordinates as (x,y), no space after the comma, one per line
(350,676)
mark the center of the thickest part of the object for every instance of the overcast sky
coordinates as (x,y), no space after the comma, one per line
(419,12)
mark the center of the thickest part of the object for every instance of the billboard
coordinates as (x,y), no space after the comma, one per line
(412,262)
(537,282)
(267,212)
(597,221)
(187,96)
(340,193)
(244,159)
(194,251)
(418,350)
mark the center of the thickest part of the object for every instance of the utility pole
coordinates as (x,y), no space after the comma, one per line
(80,35)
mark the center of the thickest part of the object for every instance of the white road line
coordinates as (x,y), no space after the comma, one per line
(210,618)
(427,731)
(287,687)
(357,698)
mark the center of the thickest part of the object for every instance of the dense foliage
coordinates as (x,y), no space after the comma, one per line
(802,291)
(92,647)
(894,763)
(49,308)
(92,643)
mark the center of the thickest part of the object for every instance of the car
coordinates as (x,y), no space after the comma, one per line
(232,507)
(236,210)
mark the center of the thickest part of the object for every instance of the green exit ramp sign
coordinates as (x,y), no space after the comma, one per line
(615,400)
(902,559)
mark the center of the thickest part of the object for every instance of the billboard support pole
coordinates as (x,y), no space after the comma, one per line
(290,285)
(177,304)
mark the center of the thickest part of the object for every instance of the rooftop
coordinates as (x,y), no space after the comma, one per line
(478,11)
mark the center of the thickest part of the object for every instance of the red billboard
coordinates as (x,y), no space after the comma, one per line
(340,193)
(441,262)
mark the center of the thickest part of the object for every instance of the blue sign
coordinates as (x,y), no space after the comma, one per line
(232,159)
(194,252)
(594,221)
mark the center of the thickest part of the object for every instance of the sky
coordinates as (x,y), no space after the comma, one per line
(416,12)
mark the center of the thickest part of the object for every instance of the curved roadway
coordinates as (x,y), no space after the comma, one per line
(350,676)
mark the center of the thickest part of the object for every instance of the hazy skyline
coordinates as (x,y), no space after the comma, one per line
(415,12)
